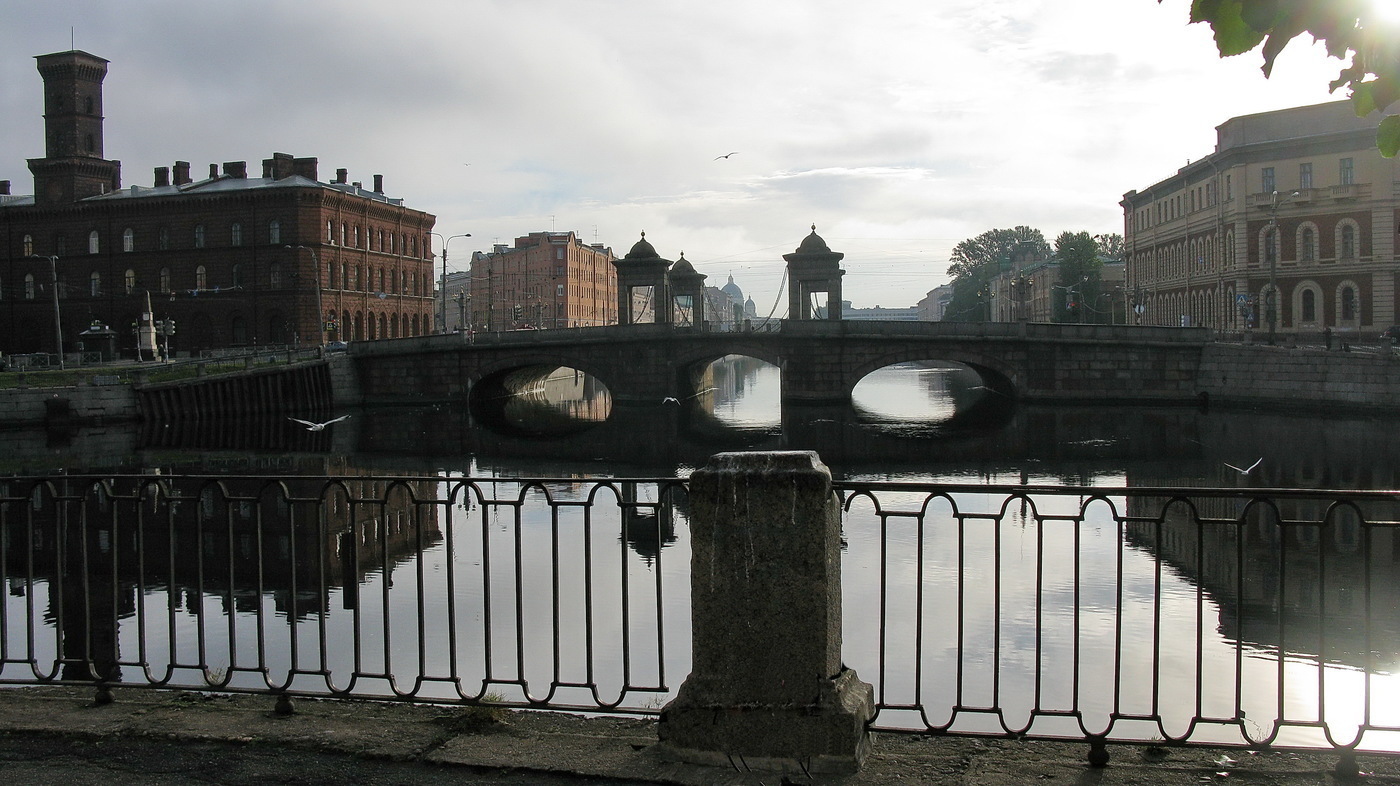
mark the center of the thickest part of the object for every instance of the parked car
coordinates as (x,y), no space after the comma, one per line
(1392,333)
(337,346)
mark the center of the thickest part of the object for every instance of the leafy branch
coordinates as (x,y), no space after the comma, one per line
(1348,29)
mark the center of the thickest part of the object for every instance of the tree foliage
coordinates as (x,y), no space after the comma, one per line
(975,261)
(1077,296)
(1349,29)
(1110,245)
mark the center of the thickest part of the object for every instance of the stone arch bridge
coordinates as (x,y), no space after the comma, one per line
(821,361)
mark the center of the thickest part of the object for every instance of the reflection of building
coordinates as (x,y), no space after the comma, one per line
(1300,197)
(234,260)
(548,280)
(1300,588)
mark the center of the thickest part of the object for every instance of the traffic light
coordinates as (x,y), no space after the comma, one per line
(518,313)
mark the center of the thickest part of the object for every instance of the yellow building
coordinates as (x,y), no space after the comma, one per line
(1296,202)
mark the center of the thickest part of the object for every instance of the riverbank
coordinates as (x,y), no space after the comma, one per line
(57,734)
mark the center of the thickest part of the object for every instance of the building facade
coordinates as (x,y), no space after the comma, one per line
(232,260)
(546,280)
(1287,227)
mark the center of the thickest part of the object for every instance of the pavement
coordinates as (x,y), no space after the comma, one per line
(59,735)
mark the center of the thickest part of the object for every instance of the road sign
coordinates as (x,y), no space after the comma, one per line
(1241,298)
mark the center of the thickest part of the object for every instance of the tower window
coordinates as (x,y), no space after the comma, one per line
(199,236)
(93,242)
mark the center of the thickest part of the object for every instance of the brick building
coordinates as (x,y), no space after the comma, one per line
(233,260)
(547,280)
(1296,202)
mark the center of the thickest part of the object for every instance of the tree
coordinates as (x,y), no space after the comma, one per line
(1110,245)
(1348,29)
(1077,295)
(975,261)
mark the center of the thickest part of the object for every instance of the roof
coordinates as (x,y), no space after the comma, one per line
(226,184)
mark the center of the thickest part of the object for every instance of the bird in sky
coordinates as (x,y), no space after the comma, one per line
(1245,471)
(670,400)
(317,426)
(727,155)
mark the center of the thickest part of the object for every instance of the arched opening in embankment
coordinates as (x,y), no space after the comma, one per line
(933,397)
(540,401)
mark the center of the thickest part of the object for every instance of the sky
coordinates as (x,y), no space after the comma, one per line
(897,127)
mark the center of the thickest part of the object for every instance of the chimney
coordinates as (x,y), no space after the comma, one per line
(378,184)
(4,188)
(213,171)
(182,173)
(162,176)
(278,167)
(341,175)
(358,185)
(306,167)
(238,169)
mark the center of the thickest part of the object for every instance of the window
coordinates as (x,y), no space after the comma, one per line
(1347,175)
(95,284)
(237,275)
(1307,245)
(1229,189)
(1309,306)
(93,242)
(1267,180)
(199,236)
(274,276)
(28,286)
(28,245)
(559,290)
(344,231)
(128,240)
(356,236)
(1348,304)
(235,233)
(165,279)
(330,233)
(1305,175)
(129,281)
(163,239)
(1348,242)
(201,277)
(274,231)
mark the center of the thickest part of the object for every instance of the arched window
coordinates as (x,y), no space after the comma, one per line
(199,236)
(129,281)
(274,276)
(1309,308)
(163,239)
(28,286)
(95,284)
(330,232)
(165,279)
(1348,304)
(28,245)
(1348,242)
(237,271)
(201,277)
(235,234)
(274,231)
(92,242)
(356,237)
(1307,244)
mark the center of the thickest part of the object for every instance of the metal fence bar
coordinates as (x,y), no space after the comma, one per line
(1248,617)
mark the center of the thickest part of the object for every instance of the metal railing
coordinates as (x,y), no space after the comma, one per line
(1242,617)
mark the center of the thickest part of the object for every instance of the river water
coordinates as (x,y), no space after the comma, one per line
(1318,644)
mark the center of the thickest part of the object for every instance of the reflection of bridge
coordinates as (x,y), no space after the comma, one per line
(821,361)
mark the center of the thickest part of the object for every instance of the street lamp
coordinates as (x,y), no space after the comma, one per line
(320,310)
(442,287)
(1273,248)
(57,318)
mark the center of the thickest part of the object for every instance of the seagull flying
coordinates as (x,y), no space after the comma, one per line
(670,400)
(727,155)
(1245,471)
(317,426)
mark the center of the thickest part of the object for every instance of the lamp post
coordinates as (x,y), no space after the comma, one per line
(1273,248)
(320,310)
(442,286)
(57,317)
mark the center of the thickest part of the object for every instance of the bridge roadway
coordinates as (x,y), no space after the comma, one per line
(821,361)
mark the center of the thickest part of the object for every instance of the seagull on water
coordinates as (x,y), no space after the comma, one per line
(1245,471)
(317,426)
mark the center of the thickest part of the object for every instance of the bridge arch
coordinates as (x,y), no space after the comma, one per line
(996,375)
(492,387)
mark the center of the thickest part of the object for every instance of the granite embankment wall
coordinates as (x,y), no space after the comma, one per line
(84,403)
(1299,379)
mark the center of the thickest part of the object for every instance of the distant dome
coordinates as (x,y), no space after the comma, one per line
(642,250)
(682,266)
(733,291)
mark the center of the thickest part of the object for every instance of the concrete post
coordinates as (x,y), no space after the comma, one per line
(767,685)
